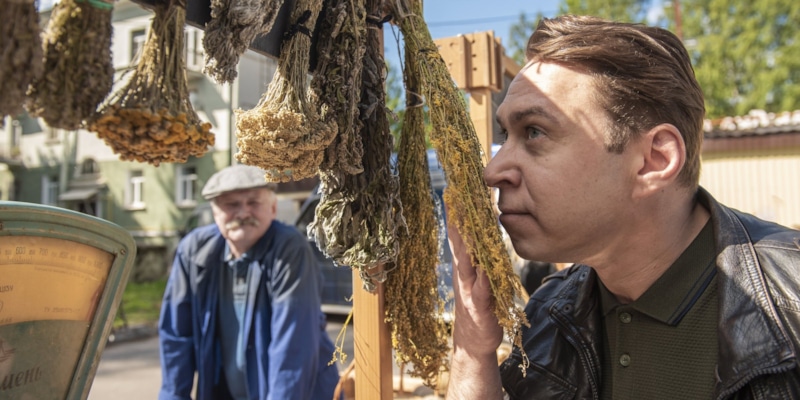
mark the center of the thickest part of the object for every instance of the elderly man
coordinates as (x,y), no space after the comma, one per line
(242,304)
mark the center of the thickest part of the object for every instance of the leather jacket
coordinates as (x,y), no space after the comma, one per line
(758,275)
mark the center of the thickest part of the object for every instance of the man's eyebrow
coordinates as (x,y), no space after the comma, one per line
(516,116)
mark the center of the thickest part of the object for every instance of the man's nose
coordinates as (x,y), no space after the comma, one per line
(242,211)
(497,170)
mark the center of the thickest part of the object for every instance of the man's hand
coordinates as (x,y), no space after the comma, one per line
(474,372)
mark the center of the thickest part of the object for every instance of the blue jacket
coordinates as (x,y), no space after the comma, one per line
(288,349)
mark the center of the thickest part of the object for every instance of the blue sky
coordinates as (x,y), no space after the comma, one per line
(446,18)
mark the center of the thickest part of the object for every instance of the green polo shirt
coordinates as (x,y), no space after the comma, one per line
(664,344)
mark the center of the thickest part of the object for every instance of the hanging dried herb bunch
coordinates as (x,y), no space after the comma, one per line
(459,151)
(78,70)
(151,119)
(284,134)
(341,35)
(20,53)
(233,26)
(358,217)
(413,305)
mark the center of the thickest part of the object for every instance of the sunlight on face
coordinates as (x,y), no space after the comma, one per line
(243,216)
(560,190)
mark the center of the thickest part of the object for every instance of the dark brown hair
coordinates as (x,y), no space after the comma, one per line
(643,76)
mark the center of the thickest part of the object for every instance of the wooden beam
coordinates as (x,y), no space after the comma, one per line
(198,13)
(455,53)
(481,111)
(372,346)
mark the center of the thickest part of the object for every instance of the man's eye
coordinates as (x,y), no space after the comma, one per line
(533,132)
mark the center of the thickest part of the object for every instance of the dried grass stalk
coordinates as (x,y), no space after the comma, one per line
(284,134)
(20,53)
(358,217)
(233,26)
(414,309)
(151,119)
(78,70)
(341,37)
(459,151)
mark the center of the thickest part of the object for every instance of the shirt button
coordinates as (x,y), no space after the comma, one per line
(625,360)
(625,318)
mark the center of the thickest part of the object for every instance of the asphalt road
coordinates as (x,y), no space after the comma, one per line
(130,369)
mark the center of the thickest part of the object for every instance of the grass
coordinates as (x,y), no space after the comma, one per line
(141,304)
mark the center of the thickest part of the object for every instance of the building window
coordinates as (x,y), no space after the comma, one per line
(53,135)
(89,167)
(138,38)
(134,196)
(186,181)
(50,190)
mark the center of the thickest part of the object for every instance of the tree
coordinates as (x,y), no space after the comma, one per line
(395,101)
(746,54)
(518,37)
(618,10)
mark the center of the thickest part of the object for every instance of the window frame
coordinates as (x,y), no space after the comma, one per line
(186,185)
(134,190)
(50,190)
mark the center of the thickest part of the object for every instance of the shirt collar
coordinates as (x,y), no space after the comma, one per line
(227,256)
(675,292)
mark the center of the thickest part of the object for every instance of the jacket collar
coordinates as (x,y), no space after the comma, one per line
(752,339)
(744,303)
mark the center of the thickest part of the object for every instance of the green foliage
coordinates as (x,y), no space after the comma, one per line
(518,37)
(617,10)
(141,303)
(746,54)
(395,102)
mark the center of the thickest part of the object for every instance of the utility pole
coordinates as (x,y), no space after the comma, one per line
(678,24)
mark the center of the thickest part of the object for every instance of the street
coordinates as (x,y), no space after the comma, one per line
(130,369)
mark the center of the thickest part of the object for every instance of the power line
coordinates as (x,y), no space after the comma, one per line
(477,21)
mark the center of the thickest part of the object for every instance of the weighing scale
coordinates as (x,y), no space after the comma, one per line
(62,275)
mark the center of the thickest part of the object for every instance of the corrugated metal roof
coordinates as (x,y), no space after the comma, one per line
(755,123)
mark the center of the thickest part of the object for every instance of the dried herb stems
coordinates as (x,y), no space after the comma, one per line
(151,119)
(341,37)
(413,305)
(358,217)
(78,70)
(459,151)
(233,26)
(20,53)
(284,134)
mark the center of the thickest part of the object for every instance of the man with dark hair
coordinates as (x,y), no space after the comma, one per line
(671,295)
(242,304)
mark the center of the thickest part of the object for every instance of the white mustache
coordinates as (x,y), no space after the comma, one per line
(239,222)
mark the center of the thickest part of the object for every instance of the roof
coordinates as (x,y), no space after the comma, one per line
(755,123)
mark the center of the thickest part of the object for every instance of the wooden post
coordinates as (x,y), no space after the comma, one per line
(371,341)
(372,346)
(481,112)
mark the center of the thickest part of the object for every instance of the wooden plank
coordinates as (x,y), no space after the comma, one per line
(198,13)
(454,51)
(485,61)
(372,346)
(481,111)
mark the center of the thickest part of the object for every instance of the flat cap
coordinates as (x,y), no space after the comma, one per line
(235,177)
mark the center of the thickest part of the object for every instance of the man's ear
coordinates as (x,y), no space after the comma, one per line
(663,153)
